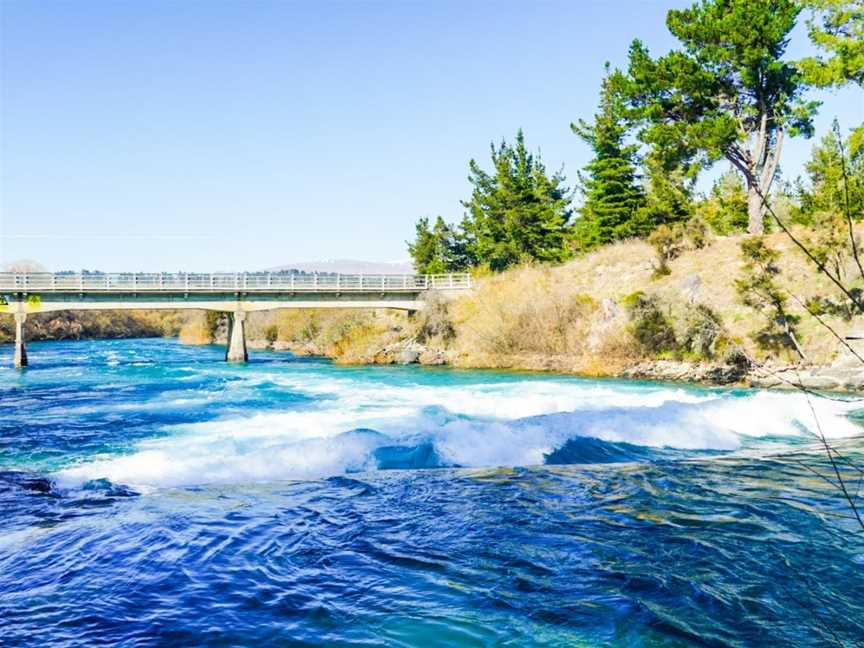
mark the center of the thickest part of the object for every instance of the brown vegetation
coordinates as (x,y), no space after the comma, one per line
(599,314)
(75,325)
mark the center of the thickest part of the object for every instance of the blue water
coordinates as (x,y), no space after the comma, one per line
(150,494)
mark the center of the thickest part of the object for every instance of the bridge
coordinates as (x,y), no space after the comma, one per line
(237,294)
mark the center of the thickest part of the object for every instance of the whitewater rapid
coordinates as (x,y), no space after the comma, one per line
(348,421)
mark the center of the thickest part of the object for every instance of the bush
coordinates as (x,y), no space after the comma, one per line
(434,319)
(528,312)
(704,335)
(213,320)
(668,243)
(271,333)
(696,233)
(758,289)
(649,324)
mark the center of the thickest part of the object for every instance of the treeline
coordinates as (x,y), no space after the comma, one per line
(727,94)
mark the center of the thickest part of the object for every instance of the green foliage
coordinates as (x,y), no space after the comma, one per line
(668,242)
(438,249)
(609,181)
(727,92)
(837,28)
(833,175)
(834,187)
(725,209)
(517,212)
(649,324)
(271,333)
(758,289)
(704,335)
(669,195)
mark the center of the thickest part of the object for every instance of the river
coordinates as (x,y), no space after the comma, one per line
(152,494)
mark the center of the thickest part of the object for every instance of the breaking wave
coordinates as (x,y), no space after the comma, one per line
(360,425)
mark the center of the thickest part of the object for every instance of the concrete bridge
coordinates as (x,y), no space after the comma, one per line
(237,294)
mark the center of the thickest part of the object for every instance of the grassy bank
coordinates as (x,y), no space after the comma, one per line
(604,313)
(600,314)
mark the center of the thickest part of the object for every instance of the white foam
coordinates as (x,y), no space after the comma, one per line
(490,424)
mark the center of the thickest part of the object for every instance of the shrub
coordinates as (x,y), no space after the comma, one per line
(271,333)
(757,288)
(704,335)
(213,320)
(434,319)
(527,312)
(696,233)
(649,324)
(668,243)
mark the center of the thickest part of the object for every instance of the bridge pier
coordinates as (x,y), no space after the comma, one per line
(19,358)
(237,337)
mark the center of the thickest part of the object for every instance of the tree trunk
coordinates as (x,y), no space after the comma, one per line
(755,212)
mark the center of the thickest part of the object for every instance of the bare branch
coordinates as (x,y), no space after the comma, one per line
(848,210)
(825,324)
(828,450)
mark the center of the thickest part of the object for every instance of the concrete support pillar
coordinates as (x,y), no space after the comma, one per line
(237,337)
(20,357)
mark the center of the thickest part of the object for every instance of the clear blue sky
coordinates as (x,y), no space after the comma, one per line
(203,135)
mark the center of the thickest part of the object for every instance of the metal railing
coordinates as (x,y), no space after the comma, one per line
(261,282)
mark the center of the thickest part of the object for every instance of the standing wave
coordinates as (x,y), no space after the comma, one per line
(357,428)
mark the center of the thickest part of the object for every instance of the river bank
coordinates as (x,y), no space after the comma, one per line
(842,376)
(607,313)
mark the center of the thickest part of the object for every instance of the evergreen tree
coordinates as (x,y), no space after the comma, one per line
(832,195)
(727,92)
(836,27)
(432,249)
(609,181)
(833,175)
(515,213)
(669,193)
(725,208)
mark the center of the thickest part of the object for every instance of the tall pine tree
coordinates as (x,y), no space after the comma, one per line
(727,91)
(668,189)
(517,212)
(609,182)
(437,249)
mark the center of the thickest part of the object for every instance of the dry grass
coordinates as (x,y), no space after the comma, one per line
(61,325)
(195,330)
(566,318)
(570,316)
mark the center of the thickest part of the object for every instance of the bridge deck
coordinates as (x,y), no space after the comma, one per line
(238,294)
(220,283)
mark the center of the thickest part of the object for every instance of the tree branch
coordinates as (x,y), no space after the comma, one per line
(848,210)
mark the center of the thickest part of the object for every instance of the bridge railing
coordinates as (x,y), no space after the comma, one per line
(184,282)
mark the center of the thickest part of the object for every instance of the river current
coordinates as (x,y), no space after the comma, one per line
(151,494)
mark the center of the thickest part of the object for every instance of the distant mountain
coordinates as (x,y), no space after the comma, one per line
(24,265)
(349,266)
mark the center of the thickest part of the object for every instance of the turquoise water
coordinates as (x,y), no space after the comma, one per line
(153,495)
